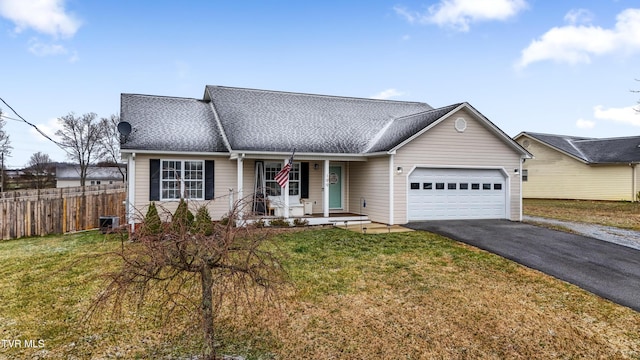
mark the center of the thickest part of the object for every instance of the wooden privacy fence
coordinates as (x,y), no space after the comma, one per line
(57,211)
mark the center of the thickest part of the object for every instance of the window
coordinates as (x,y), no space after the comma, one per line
(439,186)
(452,186)
(475,186)
(182,177)
(427,186)
(525,175)
(497,186)
(415,186)
(271,169)
(486,186)
(464,186)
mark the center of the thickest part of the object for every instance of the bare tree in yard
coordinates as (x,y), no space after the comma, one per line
(41,170)
(5,149)
(110,141)
(81,136)
(218,261)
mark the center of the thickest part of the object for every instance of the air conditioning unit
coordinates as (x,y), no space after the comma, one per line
(109,223)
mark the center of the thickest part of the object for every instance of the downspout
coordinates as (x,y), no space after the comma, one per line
(392,172)
(522,160)
(131,190)
(634,182)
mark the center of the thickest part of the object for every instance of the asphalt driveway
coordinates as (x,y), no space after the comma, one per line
(609,270)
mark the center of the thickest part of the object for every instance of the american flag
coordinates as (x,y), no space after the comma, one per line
(282,178)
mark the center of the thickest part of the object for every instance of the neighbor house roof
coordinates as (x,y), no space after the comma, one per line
(593,150)
(230,119)
(72,172)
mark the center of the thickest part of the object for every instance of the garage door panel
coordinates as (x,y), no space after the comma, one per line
(438,194)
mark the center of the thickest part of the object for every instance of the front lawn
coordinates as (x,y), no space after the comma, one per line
(621,214)
(388,296)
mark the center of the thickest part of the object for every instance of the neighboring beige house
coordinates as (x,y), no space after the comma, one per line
(68,175)
(570,167)
(387,161)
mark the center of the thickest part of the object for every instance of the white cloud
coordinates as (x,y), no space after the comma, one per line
(459,14)
(585,124)
(49,128)
(578,16)
(44,16)
(387,94)
(625,115)
(576,44)
(41,49)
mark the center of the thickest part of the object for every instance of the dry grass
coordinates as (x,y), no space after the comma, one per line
(610,213)
(389,296)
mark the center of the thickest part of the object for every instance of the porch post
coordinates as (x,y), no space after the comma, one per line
(392,173)
(240,179)
(286,193)
(325,194)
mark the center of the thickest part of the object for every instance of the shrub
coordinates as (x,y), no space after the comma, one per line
(152,224)
(279,222)
(300,222)
(259,223)
(183,218)
(202,224)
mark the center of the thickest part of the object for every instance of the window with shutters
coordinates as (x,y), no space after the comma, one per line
(182,177)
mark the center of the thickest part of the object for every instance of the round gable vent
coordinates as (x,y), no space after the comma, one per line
(460,124)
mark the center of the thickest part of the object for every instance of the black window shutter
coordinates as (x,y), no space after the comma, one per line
(208,179)
(304,180)
(154,179)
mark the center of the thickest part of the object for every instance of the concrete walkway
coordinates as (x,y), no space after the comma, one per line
(624,237)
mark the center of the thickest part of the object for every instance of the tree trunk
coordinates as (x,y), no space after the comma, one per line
(206,279)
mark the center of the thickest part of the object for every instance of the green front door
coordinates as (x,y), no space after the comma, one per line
(335,187)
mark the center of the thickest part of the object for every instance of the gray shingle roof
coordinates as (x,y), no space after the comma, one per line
(238,119)
(280,121)
(592,150)
(170,123)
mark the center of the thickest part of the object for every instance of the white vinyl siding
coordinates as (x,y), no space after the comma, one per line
(369,181)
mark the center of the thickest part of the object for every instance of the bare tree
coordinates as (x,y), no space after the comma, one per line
(224,263)
(110,142)
(40,169)
(5,149)
(80,136)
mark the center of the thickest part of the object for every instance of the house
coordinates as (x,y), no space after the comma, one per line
(389,161)
(571,167)
(68,175)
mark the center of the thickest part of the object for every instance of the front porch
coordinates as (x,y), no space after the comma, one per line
(335,219)
(318,190)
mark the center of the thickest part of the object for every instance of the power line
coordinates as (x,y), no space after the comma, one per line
(32,125)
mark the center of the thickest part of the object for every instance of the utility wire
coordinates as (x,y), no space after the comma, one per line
(35,127)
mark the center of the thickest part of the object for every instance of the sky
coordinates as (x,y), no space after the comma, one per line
(563,67)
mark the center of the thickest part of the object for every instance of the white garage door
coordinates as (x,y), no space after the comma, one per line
(447,194)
